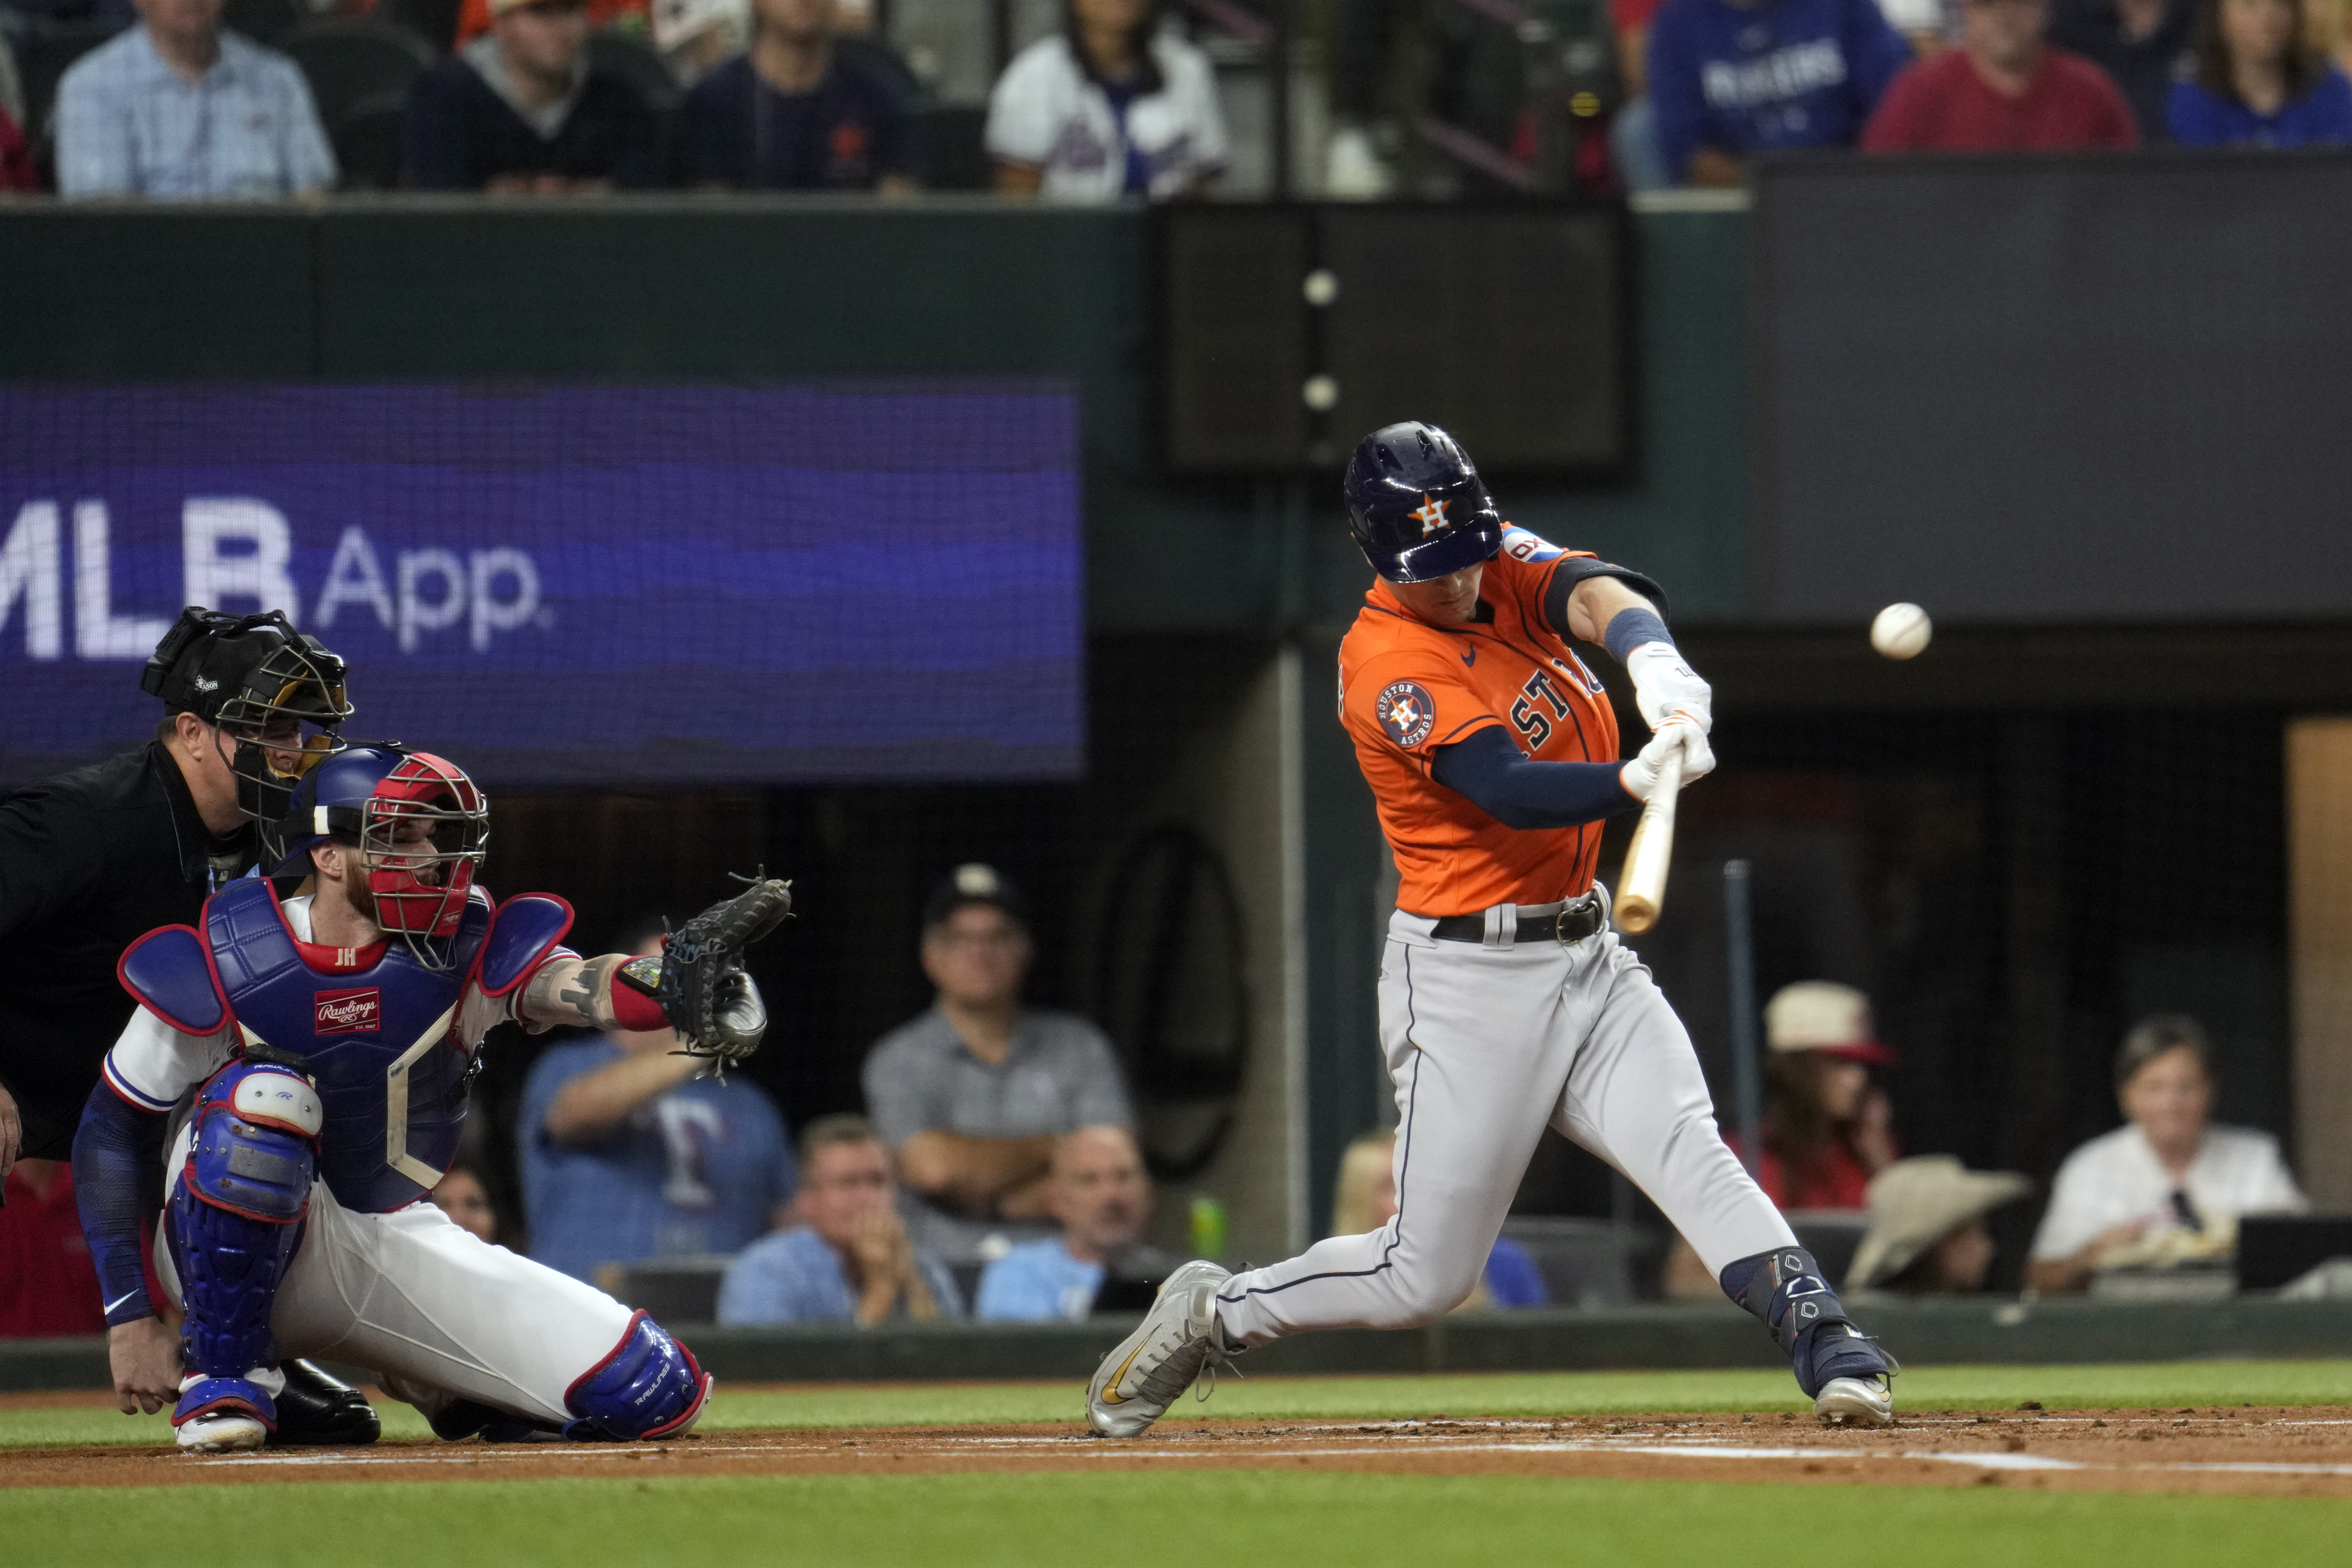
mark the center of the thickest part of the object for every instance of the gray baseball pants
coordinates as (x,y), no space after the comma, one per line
(1487,1044)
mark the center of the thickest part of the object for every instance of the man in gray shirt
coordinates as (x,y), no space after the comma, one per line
(972,1096)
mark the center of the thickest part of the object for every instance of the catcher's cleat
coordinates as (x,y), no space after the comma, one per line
(224,1414)
(1179,1340)
(1856,1402)
(317,1410)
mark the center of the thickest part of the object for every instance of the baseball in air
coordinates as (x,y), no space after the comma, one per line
(1901,631)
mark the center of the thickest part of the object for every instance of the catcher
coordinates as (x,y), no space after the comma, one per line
(329,1039)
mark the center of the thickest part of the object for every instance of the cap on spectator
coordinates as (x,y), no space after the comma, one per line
(1916,1203)
(1822,1016)
(974,883)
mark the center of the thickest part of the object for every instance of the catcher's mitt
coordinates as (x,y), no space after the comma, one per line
(699,981)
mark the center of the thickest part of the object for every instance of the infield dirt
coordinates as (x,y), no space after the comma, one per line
(2292,1451)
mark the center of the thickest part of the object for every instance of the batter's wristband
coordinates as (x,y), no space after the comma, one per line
(1632,628)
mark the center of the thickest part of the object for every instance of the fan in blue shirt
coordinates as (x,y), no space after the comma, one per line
(1733,78)
(2258,83)
(847,1258)
(1102,1197)
(626,1155)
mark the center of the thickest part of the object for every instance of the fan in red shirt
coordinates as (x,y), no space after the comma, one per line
(2002,91)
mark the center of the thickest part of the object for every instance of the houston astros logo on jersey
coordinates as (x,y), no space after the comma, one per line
(1431,515)
(1406,712)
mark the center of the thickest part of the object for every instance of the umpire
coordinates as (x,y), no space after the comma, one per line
(92,860)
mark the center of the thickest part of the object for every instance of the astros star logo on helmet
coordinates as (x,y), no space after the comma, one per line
(1431,515)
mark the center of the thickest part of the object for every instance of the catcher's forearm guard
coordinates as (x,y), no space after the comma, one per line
(698,980)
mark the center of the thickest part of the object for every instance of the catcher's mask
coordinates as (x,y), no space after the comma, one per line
(421,826)
(275,696)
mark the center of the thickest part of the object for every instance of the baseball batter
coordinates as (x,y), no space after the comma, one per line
(1506,1004)
(329,1039)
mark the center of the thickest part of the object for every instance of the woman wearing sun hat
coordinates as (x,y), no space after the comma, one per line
(1927,1231)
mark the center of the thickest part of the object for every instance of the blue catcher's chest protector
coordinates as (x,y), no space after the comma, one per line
(377,1042)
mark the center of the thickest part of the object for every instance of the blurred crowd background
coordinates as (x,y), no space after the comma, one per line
(1099,101)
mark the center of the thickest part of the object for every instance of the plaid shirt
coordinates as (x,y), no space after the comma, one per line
(129,125)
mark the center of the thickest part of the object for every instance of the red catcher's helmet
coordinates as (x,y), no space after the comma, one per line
(422,827)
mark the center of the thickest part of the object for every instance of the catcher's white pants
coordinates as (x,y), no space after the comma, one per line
(413,1295)
(1487,1045)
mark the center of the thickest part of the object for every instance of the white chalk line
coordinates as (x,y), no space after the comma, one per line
(1091,1448)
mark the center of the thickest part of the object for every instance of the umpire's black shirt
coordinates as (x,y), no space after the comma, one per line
(90,861)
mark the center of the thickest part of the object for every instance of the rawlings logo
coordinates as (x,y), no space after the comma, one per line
(350,1012)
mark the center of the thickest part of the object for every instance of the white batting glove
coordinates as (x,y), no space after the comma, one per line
(1678,733)
(1664,683)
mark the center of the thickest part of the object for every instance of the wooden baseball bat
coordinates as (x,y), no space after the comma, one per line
(1642,889)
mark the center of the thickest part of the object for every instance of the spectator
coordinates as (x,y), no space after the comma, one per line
(49,1285)
(1103,1199)
(2165,1170)
(795,113)
(522,110)
(2002,91)
(974,1097)
(2259,82)
(628,1154)
(1928,1234)
(1364,1199)
(1634,129)
(1827,1128)
(475,17)
(177,108)
(1729,78)
(848,1259)
(2142,45)
(1110,107)
(16,171)
(460,1194)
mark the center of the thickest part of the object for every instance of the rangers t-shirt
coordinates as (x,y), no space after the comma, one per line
(1768,77)
(698,1170)
(1047,113)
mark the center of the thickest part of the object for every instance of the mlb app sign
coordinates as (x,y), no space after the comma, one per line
(569,585)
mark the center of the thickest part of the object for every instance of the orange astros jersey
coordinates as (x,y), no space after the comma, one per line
(1407,688)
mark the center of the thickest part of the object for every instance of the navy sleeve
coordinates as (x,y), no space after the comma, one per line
(1490,772)
(433,132)
(896,133)
(1675,94)
(1575,570)
(707,145)
(1880,55)
(116,1154)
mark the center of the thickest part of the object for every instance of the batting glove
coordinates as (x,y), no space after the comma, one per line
(1664,683)
(1678,733)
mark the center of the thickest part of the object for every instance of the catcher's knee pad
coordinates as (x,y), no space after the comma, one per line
(236,1213)
(650,1386)
(1784,1290)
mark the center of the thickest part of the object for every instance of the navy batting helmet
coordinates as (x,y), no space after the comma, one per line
(1416,505)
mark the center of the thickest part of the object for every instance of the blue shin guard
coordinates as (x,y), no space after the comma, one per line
(650,1386)
(1784,1290)
(236,1218)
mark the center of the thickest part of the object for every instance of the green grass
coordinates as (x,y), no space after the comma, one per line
(1141,1520)
(2169,1384)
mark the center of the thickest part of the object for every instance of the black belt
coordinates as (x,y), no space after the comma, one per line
(1580,919)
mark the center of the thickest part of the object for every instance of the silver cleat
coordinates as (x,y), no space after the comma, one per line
(1177,1340)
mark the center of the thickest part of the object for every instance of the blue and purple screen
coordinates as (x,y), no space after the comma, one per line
(585,585)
